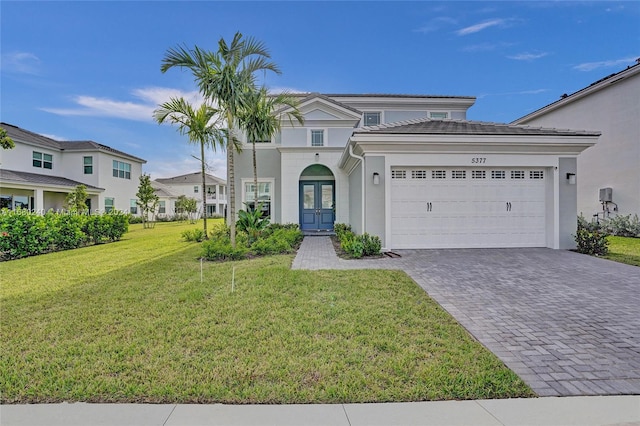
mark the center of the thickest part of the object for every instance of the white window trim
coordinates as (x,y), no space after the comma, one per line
(382,117)
(272,181)
(429,112)
(325,137)
(381,113)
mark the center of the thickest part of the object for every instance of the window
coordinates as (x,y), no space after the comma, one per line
(121,170)
(196,189)
(478,174)
(439,115)
(438,174)
(264,196)
(162,207)
(371,118)
(517,174)
(497,174)
(536,174)
(133,207)
(317,138)
(6,201)
(44,161)
(88,165)
(418,174)
(459,174)
(108,205)
(398,174)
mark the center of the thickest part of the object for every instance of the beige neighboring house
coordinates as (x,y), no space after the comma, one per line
(39,173)
(190,185)
(612,106)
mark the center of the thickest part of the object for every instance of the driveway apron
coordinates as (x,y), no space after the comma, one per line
(566,323)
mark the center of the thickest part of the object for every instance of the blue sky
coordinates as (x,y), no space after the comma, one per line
(91,70)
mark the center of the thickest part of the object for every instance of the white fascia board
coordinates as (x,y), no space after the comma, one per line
(308,149)
(47,187)
(401,103)
(578,95)
(324,105)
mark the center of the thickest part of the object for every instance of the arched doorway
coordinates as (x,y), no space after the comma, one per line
(317,198)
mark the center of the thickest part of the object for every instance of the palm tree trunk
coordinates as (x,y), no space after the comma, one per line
(204,191)
(255,177)
(231,184)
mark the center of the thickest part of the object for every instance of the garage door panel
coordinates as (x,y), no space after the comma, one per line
(457,210)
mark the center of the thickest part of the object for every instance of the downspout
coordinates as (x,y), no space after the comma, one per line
(361,158)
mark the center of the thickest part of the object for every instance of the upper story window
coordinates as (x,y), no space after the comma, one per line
(371,118)
(121,170)
(317,138)
(439,115)
(42,160)
(88,165)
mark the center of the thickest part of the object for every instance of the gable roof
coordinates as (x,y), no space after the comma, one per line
(162,190)
(310,98)
(192,178)
(18,134)
(428,126)
(593,87)
(35,178)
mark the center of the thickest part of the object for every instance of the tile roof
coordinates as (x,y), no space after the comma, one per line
(162,190)
(310,96)
(192,178)
(463,127)
(35,178)
(16,133)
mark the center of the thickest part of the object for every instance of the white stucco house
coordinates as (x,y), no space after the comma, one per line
(412,170)
(612,106)
(190,185)
(39,173)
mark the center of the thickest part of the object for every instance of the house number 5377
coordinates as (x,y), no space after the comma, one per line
(478,160)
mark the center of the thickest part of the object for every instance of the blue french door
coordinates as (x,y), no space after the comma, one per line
(317,199)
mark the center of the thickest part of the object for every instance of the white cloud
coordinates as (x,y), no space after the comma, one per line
(277,89)
(485,47)
(481,26)
(590,66)
(21,62)
(526,56)
(150,98)
(435,24)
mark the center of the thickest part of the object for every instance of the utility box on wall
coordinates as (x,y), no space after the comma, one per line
(606,195)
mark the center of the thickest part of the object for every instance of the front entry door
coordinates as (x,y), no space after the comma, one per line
(317,199)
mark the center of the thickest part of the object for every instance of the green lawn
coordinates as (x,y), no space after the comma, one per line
(131,322)
(624,250)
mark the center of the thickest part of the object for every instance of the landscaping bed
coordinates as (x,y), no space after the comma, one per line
(133,322)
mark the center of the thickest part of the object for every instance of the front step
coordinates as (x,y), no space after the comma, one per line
(318,233)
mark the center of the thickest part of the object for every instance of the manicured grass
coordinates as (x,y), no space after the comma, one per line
(624,250)
(131,322)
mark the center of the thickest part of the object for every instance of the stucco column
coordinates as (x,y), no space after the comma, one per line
(38,200)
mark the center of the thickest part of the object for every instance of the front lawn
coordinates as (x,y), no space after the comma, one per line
(131,322)
(624,250)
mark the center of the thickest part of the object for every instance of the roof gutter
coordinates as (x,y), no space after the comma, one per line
(361,158)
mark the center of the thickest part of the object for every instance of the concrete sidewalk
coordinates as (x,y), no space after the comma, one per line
(582,410)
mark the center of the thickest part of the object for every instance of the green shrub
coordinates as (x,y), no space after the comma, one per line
(623,226)
(280,241)
(371,244)
(352,245)
(67,230)
(220,249)
(193,235)
(252,222)
(591,239)
(135,219)
(340,229)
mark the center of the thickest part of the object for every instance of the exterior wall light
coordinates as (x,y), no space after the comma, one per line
(376,178)
(571,178)
(317,157)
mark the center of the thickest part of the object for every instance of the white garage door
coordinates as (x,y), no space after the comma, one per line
(467,207)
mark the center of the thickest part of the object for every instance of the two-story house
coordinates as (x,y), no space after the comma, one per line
(610,105)
(190,185)
(39,173)
(412,170)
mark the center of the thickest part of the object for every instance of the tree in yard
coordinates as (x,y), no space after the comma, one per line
(5,141)
(200,125)
(76,200)
(261,119)
(147,200)
(187,205)
(225,78)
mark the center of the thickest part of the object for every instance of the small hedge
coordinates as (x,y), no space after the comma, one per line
(274,239)
(591,238)
(23,233)
(357,246)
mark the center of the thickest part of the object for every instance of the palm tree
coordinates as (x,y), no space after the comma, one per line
(225,77)
(201,126)
(261,119)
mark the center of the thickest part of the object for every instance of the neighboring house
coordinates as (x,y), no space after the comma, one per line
(611,106)
(191,186)
(39,173)
(411,170)
(166,200)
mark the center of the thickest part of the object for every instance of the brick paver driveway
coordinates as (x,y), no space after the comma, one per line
(568,324)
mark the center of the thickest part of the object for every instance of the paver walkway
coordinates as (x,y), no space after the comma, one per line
(566,323)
